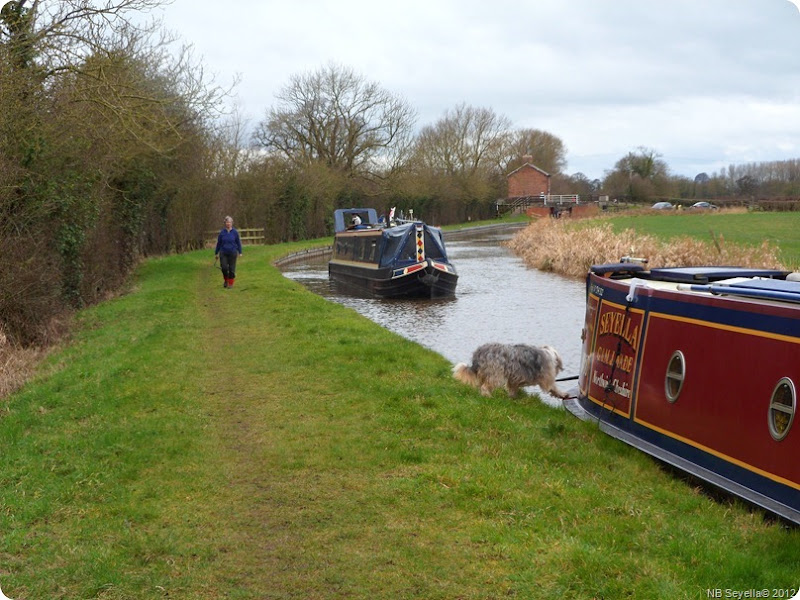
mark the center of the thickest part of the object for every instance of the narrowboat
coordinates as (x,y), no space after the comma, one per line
(699,367)
(392,259)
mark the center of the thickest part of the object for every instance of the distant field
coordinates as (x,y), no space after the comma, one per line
(779,228)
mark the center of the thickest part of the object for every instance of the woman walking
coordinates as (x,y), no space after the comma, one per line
(229,248)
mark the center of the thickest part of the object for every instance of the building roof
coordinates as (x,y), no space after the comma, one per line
(527,164)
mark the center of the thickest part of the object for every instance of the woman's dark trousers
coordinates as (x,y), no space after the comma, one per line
(228,264)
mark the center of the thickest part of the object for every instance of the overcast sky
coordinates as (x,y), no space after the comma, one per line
(704,83)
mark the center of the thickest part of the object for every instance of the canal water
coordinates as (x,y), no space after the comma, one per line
(498,299)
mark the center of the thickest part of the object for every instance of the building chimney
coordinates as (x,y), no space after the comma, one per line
(527,158)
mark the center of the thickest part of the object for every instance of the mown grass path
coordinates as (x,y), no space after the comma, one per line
(260,442)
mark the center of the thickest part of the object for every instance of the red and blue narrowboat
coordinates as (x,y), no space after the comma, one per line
(393,259)
(699,367)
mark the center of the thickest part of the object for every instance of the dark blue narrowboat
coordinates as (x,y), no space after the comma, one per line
(699,367)
(393,259)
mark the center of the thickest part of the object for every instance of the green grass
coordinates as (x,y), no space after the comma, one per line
(502,220)
(750,229)
(260,442)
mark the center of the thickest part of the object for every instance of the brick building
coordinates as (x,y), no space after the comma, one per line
(528,180)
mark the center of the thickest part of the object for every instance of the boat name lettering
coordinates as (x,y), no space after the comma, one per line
(607,356)
(618,324)
(621,390)
(597,290)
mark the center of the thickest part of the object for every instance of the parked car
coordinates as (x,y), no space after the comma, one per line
(704,205)
(663,206)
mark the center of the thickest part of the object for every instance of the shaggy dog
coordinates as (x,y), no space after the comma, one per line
(512,367)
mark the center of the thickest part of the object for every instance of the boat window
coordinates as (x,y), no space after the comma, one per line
(676,373)
(344,249)
(390,249)
(409,251)
(782,408)
(433,245)
(371,250)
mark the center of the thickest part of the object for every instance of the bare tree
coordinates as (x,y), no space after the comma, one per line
(48,39)
(577,183)
(455,169)
(639,175)
(465,142)
(228,145)
(336,117)
(545,149)
(58,34)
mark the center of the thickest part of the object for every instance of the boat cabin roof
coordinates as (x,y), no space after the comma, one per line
(762,284)
(342,218)
(709,274)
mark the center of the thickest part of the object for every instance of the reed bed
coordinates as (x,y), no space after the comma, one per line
(570,248)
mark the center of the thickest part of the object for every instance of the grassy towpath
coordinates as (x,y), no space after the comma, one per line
(262,443)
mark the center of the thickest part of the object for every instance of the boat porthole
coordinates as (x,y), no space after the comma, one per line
(676,373)
(782,408)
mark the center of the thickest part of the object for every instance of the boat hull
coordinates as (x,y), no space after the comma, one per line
(428,281)
(691,379)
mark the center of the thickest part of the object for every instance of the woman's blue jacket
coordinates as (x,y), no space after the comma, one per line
(228,242)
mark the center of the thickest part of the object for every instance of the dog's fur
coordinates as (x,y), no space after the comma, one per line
(512,366)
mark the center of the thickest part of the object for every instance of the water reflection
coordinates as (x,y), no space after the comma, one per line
(498,299)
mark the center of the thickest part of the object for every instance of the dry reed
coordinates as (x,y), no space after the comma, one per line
(562,247)
(19,362)
(17,367)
